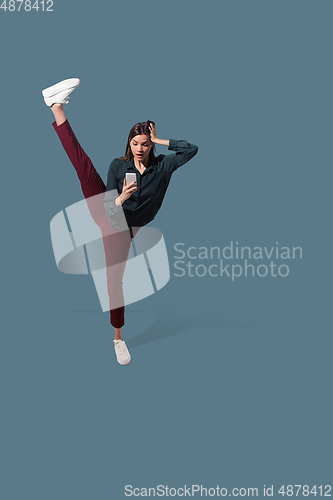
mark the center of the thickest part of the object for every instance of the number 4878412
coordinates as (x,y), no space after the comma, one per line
(27,5)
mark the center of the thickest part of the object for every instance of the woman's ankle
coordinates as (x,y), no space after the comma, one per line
(117,334)
(58,105)
(59,114)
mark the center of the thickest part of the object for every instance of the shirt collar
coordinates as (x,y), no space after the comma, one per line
(133,167)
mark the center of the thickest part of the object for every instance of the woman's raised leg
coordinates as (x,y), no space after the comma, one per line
(90,180)
(93,185)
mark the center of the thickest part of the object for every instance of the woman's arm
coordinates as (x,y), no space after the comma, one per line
(112,185)
(112,199)
(184,151)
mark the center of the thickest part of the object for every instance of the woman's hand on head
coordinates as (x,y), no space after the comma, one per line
(152,129)
(153,136)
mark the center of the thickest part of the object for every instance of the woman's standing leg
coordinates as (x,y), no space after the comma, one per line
(115,268)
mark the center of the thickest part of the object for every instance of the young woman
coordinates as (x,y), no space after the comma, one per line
(139,201)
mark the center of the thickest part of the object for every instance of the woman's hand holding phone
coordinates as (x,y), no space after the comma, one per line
(126,192)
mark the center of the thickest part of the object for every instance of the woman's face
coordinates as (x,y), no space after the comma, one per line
(140,147)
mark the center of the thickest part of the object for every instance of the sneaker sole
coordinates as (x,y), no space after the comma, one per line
(124,364)
(70,83)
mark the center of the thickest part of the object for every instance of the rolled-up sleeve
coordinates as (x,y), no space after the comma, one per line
(111,194)
(109,202)
(184,152)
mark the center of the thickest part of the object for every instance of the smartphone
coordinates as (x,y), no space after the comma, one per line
(130,177)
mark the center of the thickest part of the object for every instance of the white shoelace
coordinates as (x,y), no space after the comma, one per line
(121,347)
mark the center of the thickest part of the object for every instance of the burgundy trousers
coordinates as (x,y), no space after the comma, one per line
(116,243)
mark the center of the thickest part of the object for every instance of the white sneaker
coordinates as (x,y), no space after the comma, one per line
(122,353)
(59,92)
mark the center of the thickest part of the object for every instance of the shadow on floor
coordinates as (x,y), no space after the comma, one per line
(172,320)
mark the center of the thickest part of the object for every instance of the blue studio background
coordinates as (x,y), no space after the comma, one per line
(230,381)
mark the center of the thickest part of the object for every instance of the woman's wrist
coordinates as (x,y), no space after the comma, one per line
(118,201)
